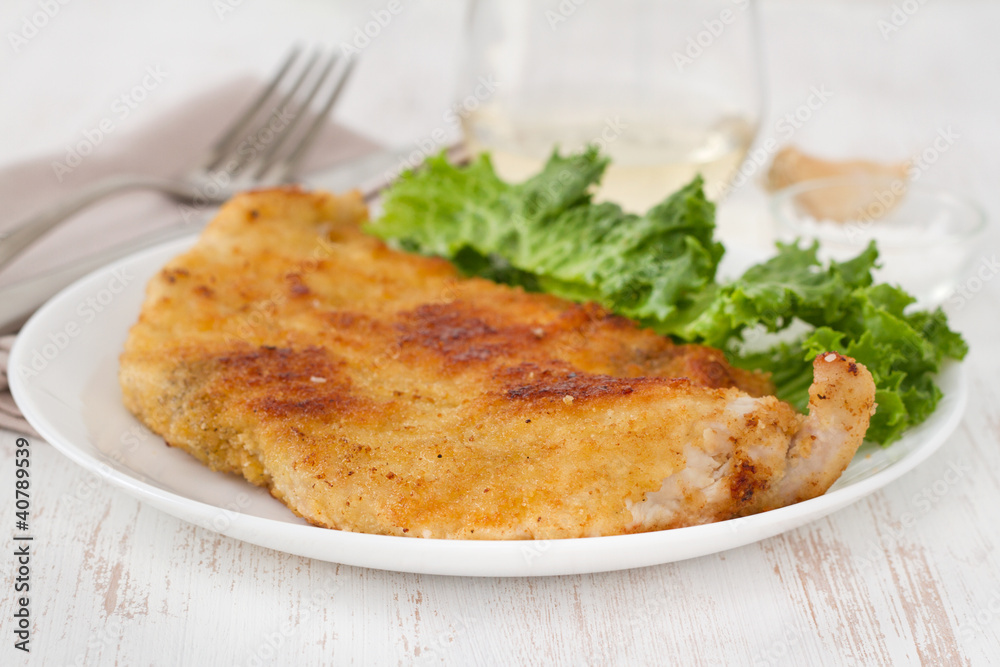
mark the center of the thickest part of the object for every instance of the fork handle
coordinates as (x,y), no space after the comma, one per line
(19,300)
(22,235)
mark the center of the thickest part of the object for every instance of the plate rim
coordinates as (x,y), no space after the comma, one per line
(484,558)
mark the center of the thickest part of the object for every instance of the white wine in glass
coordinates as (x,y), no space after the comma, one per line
(632,77)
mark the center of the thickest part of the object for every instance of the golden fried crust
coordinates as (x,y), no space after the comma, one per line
(374,390)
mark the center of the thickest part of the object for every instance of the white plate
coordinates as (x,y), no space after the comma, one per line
(63,374)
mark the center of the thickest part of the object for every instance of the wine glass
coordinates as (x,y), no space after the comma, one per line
(667,88)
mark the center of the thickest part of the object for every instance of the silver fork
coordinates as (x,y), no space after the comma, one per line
(253,151)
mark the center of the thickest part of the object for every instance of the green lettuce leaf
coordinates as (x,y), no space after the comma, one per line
(547,234)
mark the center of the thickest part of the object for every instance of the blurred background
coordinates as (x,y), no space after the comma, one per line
(892,88)
(884,80)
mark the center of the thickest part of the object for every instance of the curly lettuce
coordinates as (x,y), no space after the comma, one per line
(547,234)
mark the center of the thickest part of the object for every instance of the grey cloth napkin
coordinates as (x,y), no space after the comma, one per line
(160,146)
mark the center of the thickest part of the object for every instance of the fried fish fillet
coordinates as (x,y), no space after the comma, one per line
(374,390)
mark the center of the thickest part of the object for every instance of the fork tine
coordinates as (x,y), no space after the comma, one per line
(238,127)
(290,95)
(291,163)
(268,156)
(241,160)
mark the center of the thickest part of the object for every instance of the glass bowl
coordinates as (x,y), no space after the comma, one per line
(926,237)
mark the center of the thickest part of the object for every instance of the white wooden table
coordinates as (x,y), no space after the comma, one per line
(911,575)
